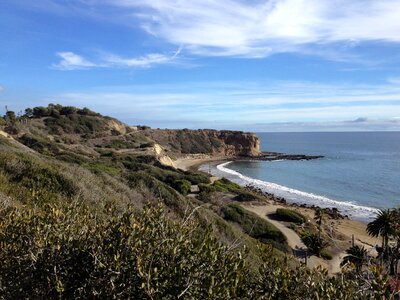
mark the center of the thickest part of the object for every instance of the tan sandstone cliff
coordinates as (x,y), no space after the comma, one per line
(207,141)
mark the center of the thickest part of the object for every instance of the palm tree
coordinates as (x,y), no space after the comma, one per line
(319,217)
(356,255)
(383,225)
(314,243)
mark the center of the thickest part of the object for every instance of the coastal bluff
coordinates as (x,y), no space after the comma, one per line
(207,141)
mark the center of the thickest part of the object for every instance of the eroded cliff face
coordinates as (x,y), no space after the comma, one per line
(215,142)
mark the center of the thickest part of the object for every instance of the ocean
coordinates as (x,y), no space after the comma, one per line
(360,171)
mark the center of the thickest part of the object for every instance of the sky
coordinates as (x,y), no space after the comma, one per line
(254,65)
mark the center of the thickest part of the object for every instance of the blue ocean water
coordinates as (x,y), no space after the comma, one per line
(359,172)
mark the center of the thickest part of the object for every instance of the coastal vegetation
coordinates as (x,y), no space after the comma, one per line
(289,215)
(255,226)
(90,209)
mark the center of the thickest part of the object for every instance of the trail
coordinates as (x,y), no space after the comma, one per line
(295,242)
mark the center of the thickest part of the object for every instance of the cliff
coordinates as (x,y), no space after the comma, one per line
(206,141)
(63,131)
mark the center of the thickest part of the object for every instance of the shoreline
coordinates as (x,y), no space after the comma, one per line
(293,197)
(343,230)
(194,162)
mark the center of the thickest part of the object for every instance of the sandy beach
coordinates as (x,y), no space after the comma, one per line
(194,161)
(341,230)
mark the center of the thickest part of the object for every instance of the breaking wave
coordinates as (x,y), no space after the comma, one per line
(354,211)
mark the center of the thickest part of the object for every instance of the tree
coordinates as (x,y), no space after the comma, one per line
(319,218)
(54,109)
(10,117)
(68,110)
(314,243)
(29,112)
(383,226)
(40,111)
(356,255)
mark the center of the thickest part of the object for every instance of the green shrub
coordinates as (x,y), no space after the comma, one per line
(37,178)
(206,188)
(289,215)
(147,145)
(314,243)
(40,145)
(205,196)
(245,197)
(326,254)
(78,124)
(159,190)
(182,186)
(225,185)
(253,225)
(196,177)
(70,253)
(98,167)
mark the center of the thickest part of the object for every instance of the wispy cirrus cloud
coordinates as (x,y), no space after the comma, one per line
(260,28)
(249,28)
(247,104)
(71,61)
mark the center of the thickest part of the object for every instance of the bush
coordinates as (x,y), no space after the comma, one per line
(207,188)
(140,180)
(69,253)
(289,215)
(147,145)
(39,112)
(68,110)
(326,254)
(76,124)
(40,145)
(182,186)
(245,197)
(313,243)
(225,185)
(196,177)
(253,225)
(98,167)
(41,180)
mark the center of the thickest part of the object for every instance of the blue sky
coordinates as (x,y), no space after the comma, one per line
(258,65)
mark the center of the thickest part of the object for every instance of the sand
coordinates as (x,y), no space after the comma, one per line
(193,162)
(342,230)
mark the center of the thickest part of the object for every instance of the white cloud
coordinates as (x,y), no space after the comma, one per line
(394,80)
(368,125)
(239,103)
(260,28)
(71,61)
(143,61)
(1,88)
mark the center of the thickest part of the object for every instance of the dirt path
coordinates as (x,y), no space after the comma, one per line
(294,241)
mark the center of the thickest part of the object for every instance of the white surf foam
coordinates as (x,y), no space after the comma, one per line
(295,196)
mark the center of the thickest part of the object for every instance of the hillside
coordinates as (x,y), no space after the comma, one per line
(93,208)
